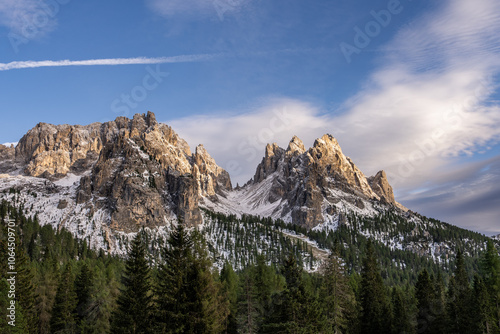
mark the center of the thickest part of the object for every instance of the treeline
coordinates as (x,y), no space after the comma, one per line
(184,295)
(60,282)
(64,287)
(239,241)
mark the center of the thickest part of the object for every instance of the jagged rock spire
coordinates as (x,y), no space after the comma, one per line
(309,180)
(296,146)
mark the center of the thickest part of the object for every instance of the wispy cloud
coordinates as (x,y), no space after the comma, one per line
(427,106)
(430,99)
(28,18)
(468,196)
(197,7)
(107,62)
(237,140)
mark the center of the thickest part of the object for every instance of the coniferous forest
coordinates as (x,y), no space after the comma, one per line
(63,286)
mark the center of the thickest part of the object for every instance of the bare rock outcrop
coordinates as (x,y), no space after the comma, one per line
(310,182)
(381,187)
(137,169)
(7,158)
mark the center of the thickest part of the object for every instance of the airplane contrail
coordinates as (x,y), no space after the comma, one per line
(106,62)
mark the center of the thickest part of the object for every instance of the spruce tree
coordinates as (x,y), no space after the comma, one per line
(134,312)
(210,302)
(480,308)
(266,284)
(173,295)
(230,285)
(83,287)
(438,306)
(248,306)
(490,272)
(337,295)
(63,311)
(425,294)
(375,315)
(189,298)
(296,309)
(46,290)
(25,288)
(400,313)
(459,299)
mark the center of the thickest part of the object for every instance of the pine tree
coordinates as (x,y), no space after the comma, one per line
(25,289)
(189,299)
(134,313)
(375,314)
(338,297)
(296,309)
(425,294)
(83,288)
(480,316)
(490,272)
(400,313)
(63,311)
(248,306)
(230,284)
(459,299)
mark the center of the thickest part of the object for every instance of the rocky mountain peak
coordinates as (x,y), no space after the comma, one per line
(296,146)
(151,119)
(381,187)
(145,172)
(269,164)
(7,157)
(308,182)
(329,141)
(272,150)
(211,178)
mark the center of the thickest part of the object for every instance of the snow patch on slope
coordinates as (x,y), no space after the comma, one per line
(251,200)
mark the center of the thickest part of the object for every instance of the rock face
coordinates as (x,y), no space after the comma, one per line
(381,187)
(310,182)
(54,149)
(139,173)
(7,158)
(211,178)
(137,169)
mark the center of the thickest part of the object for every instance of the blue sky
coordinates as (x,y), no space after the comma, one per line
(407,86)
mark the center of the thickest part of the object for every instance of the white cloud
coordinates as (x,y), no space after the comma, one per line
(427,105)
(29,18)
(110,61)
(468,196)
(198,8)
(237,141)
(429,101)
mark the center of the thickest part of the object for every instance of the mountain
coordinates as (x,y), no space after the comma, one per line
(111,177)
(308,187)
(104,182)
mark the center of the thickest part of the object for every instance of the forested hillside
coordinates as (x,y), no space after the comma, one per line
(62,286)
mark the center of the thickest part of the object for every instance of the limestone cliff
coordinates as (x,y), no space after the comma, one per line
(381,187)
(139,170)
(308,184)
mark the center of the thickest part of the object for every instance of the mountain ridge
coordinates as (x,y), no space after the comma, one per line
(106,181)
